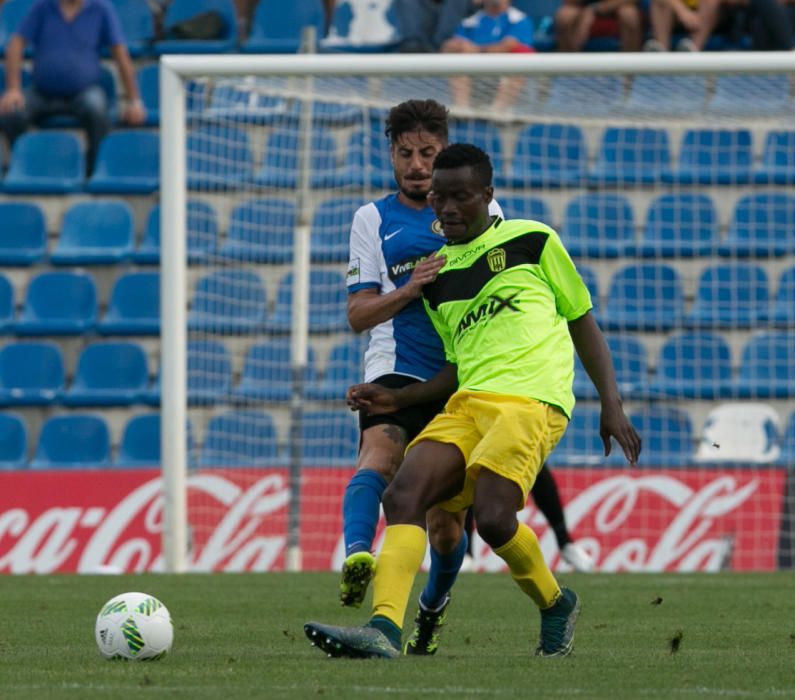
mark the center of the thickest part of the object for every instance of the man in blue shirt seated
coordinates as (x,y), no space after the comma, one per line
(67,37)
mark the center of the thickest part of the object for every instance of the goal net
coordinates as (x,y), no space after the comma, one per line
(669,179)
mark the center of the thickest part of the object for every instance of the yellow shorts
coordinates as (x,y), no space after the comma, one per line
(508,435)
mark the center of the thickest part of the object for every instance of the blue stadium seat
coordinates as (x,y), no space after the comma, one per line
(344,367)
(331,226)
(631,156)
(11,14)
(739,96)
(327,111)
(128,163)
(583,96)
(645,297)
(277,26)
(787,456)
(588,275)
(31,374)
(109,374)
(547,155)
(181,10)
(667,437)
(598,225)
(693,366)
(219,158)
(367,158)
(581,445)
(526,207)
(261,231)
(58,303)
(149,88)
(761,226)
(329,438)
(483,134)
(267,372)
(138,25)
(209,370)
(240,439)
(228,301)
(367,26)
(96,232)
(665,96)
(202,232)
(778,159)
(678,225)
(713,157)
(253,101)
(73,441)
(13,441)
(783,311)
(767,367)
(134,306)
(46,162)
(24,239)
(328,303)
(280,165)
(7,305)
(631,365)
(140,442)
(731,295)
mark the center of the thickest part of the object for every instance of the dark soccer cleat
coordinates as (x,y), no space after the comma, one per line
(357,572)
(351,642)
(424,640)
(557,625)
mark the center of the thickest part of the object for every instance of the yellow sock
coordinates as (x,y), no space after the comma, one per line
(395,570)
(523,556)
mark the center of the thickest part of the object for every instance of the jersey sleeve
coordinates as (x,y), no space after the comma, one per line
(572,297)
(366,260)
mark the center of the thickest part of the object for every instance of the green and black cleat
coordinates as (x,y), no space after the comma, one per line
(351,642)
(357,572)
(424,639)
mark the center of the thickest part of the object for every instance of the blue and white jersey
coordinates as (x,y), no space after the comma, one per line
(387,240)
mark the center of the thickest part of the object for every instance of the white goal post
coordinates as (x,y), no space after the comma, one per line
(179,72)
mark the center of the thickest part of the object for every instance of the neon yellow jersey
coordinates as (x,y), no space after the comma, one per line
(502,303)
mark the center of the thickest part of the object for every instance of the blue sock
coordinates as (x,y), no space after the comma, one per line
(444,570)
(360,510)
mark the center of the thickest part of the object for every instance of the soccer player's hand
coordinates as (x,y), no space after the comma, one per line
(614,423)
(373,399)
(425,272)
(12,101)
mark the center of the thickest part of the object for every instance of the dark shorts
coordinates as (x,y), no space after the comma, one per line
(412,418)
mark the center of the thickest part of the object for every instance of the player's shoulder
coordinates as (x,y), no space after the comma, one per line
(515,15)
(522,226)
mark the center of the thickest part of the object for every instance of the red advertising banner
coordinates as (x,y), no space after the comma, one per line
(629,520)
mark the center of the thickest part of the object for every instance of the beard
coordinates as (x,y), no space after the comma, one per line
(415,195)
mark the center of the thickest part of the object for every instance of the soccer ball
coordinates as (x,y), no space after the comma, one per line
(134,626)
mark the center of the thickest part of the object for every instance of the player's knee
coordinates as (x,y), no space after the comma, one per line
(496,524)
(400,503)
(444,533)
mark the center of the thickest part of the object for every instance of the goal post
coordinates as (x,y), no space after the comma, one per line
(667,176)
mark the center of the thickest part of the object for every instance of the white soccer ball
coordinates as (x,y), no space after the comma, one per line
(134,626)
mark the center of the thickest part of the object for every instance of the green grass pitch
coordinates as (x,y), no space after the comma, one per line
(241,636)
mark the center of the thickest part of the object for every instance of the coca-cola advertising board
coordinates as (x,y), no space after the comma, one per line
(630,520)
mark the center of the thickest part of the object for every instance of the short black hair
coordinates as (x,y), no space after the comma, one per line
(459,155)
(413,115)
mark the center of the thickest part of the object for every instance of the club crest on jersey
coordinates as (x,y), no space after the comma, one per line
(436,227)
(496,259)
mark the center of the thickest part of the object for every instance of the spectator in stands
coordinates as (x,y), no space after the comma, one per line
(576,20)
(770,23)
(696,17)
(496,28)
(426,24)
(67,37)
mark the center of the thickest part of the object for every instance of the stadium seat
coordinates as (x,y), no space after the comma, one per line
(368,162)
(209,370)
(96,232)
(331,227)
(631,156)
(277,26)
(368,26)
(344,367)
(31,374)
(253,100)
(140,442)
(678,225)
(630,361)
(547,155)
(329,439)
(583,96)
(138,25)
(267,373)
(646,297)
(399,88)
(783,311)
(693,366)
(148,77)
(58,303)
(108,374)
(526,207)
(713,157)
(767,367)
(741,96)
(13,441)
(24,239)
(731,295)
(219,158)
(7,305)
(228,301)
(483,134)
(328,303)
(134,306)
(667,437)
(261,231)
(182,10)
(665,96)
(280,165)
(761,226)
(45,162)
(787,455)
(740,433)
(778,159)
(240,439)
(581,445)
(128,163)
(598,225)
(326,93)
(73,441)
(11,14)
(202,232)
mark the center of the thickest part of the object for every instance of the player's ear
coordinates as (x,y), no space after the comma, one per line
(488,194)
